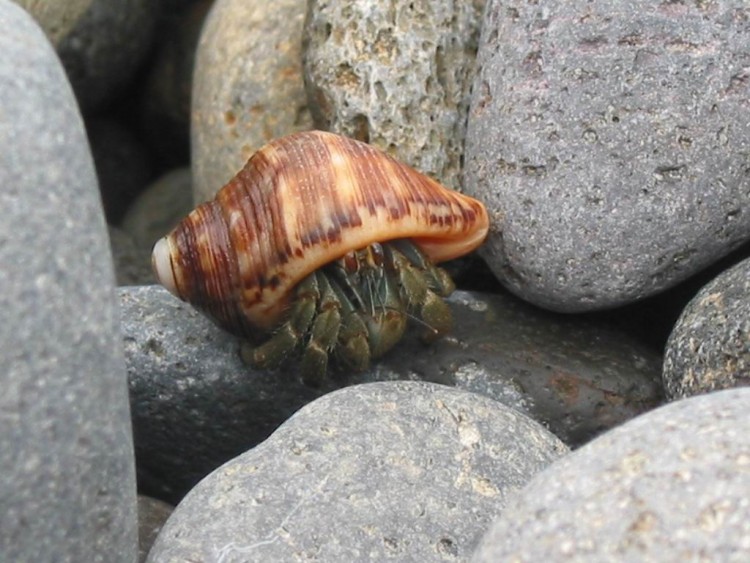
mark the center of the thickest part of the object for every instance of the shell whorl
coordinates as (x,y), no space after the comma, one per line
(300,202)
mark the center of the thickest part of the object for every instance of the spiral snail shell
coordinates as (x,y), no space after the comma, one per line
(301,202)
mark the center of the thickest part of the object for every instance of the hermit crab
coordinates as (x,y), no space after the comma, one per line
(324,247)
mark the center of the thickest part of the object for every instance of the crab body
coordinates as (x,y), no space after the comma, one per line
(324,244)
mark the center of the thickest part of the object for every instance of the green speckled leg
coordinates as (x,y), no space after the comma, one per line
(387,326)
(274,351)
(421,285)
(436,314)
(323,334)
(357,309)
(437,278)
(353,349)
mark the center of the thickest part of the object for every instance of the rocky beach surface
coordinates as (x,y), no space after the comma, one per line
(590,400)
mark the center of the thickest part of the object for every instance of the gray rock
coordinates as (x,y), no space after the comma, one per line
(248,86)
(100,42)
(159,208)
(671,485)
(66,457)
(195,404)
(396,75)
(132,264)
(709,348)
(152,513)
(610,143)
(577,377)
(404,470)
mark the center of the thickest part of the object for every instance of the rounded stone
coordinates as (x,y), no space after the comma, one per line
(402,470)
(100,42)
(709,347)
(196,405)
(248,87)
(610,144)
(396,75)
(67,479)
(670,485)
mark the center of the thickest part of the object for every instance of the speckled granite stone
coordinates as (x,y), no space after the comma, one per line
(670,485)
(610,142)
(709,347)
(404,470)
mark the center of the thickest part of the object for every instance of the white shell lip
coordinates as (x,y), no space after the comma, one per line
(161,262)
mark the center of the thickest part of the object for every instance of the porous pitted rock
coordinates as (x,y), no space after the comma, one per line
(248,86)
(610,142)
(67,479)
(395,74)
(405,470)
(101,42)
(670,485)
(709,347)
(196,405)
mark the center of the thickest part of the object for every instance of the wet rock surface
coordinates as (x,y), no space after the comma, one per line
(196,405)
(666,486)
(418,476)
(709,348)
(610,144)
(66,454)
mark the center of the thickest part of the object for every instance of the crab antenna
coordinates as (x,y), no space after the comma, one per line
(414,318)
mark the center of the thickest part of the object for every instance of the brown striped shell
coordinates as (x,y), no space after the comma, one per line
(300,202)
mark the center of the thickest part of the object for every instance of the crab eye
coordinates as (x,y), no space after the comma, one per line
(375,255)
(351,262)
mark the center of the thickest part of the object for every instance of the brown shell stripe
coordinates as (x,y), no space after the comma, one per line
(303,201)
